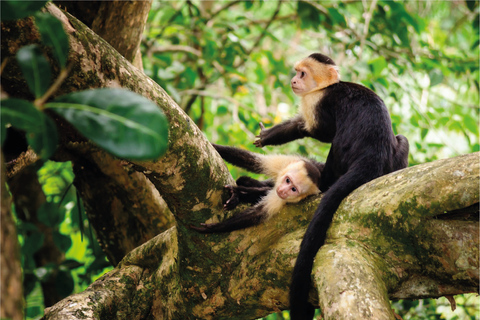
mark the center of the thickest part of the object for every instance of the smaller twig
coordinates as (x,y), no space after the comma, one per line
(225,7)
(4,63)
(176,48)
(53,88)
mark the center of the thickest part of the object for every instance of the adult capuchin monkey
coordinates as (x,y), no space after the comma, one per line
(363,147)
(294,178)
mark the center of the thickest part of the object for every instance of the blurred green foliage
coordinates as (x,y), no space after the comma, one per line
(84,260)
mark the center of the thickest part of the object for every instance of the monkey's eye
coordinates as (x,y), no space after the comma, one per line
(287,180)
(294,189)
(302,74)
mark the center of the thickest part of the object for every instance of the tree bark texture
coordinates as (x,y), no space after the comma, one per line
(120,23)
(11,299)
(410,234)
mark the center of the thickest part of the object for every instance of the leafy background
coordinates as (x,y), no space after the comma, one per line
(228,65)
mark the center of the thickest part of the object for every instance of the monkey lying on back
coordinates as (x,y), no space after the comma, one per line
(293,179)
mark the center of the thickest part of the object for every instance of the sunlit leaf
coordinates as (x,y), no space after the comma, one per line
(122,122)
(35,68)
(53,35)
(377,65)
(471,124)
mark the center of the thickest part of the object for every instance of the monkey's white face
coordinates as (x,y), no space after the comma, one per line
(287,189)
(303,82)
(293,183)
(312,76)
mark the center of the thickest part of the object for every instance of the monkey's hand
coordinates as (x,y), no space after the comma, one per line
(258,143)
(234,199)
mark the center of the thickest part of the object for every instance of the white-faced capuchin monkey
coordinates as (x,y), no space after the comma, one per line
(363,147)
(293,179)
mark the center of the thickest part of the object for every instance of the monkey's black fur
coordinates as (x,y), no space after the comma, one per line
(363,147)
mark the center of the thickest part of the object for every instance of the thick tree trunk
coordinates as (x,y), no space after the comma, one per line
(120,23)
(11,299)
(399,236)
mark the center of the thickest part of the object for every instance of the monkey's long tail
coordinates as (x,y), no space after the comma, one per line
(314,238)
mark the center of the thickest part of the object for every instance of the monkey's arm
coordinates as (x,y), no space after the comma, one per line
(248,218)
(240,158)
(284,132)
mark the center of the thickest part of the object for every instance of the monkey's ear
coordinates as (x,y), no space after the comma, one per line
(333,74)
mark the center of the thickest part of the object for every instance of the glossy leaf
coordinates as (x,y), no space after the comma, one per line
(15,9)
(40,130)
(122,122)
(53,35)
(35,69)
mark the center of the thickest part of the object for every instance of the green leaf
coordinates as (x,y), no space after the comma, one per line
(377,65)
(32,243)
(471,124)
(35,69)
(62,241)
(436,77)
(53,35)
(44,142)
(308,15)
(423,133)
(15,9)
(41,131)
(50,214)
(336,17)
(121,122)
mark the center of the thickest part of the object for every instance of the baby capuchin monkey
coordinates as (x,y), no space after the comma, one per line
(293,179)
(363,147)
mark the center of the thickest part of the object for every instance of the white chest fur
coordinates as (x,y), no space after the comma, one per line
(308,108)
